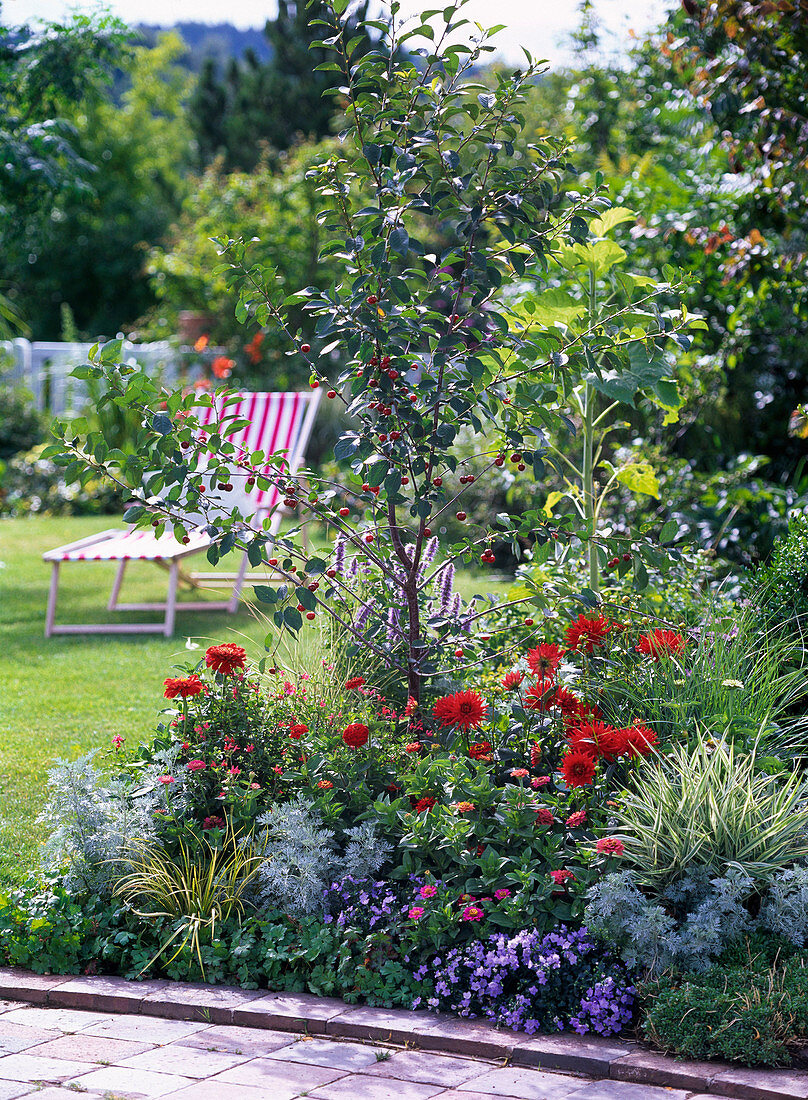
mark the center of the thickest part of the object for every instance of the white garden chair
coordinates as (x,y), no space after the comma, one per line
(278,421)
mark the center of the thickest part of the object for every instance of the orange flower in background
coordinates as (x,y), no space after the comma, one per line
(660,642)
(225,658)
(464,709)
(253,349)
(202,343)
(464,807)
(545,659)
(222,367)
(578,768)
(584,634)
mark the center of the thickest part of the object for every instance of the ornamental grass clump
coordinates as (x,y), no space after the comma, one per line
(712,806)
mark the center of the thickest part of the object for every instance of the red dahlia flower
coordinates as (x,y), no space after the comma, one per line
(185,688)
(545,659)
(598,739)
(356,735)
(584,634)
(541,696)
(511,680)
(464,709)
(225,658)
(640,740)
(660,642)
(578,768)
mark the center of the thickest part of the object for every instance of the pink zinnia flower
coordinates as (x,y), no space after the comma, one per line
(196,765)
(576,819)
(560,877)
(428,891)
(165,779)
(503,892)
(610,845)
(416,912)
(472,912)
(539,781)
(519,773)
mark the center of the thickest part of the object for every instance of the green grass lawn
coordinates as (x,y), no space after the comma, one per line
(64,695)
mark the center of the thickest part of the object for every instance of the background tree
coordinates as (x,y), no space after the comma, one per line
(254,103)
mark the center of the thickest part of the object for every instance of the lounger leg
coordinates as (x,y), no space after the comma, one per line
(54,588)
(171,601)
(116,587)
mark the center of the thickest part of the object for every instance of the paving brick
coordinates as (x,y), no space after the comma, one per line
(124,1081)
(146,1029)
(184,1061)
(30,1067)
(217,1090)
(240,1040)
(430,1069)
(360,1087)
(51,1092)
(290,1012)
(104,994)
(625,1090)
(280,1080)
(90,1048)
(464,1037)
(528,1084)
(650,1068)
(453,1094)
(186,1001)
(22,985)
(579,1053)
(54,1019)
(10,1090)
(16,1037)
(395,1025)
(327,1052)
(761,1084)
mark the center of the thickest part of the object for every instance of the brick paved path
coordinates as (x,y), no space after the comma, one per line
(59,1053)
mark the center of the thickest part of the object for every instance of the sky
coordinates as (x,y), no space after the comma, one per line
(543,26)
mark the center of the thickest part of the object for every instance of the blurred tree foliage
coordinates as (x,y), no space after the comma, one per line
(87,247)
(253,104)
(43,74)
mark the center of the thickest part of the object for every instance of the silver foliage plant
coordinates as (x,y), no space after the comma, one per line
(785,910)
(96,825)
(650,938)
(302,859)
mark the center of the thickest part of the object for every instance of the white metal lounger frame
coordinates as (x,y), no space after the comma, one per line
(112,545)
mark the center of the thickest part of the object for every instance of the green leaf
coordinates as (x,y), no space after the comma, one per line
(609,219)
(555,306)
(265,594)
(669,531)
(639,477)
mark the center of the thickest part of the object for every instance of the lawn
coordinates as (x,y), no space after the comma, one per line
(64,695)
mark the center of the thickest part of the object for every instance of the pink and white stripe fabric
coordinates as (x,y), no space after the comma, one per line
(275,423)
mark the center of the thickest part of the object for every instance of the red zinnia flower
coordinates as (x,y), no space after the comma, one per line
(511,680)
(519,773)
(560,877)
(545,659)
(413,746)
(213,822)
(465,709)
(480,750)
(325,784)
(640,740)
(611,845)
(185,688)
(578,769)
(584,634)
(659,642)
(424,804)
(297,731)
(544,816)
(576,819)
(356,735)
(225,658)
(598,739)
(354,682)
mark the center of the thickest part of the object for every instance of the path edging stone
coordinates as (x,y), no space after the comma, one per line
(327,1016)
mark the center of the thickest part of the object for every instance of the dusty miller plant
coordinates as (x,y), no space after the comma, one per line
(302,859)
(430,347)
